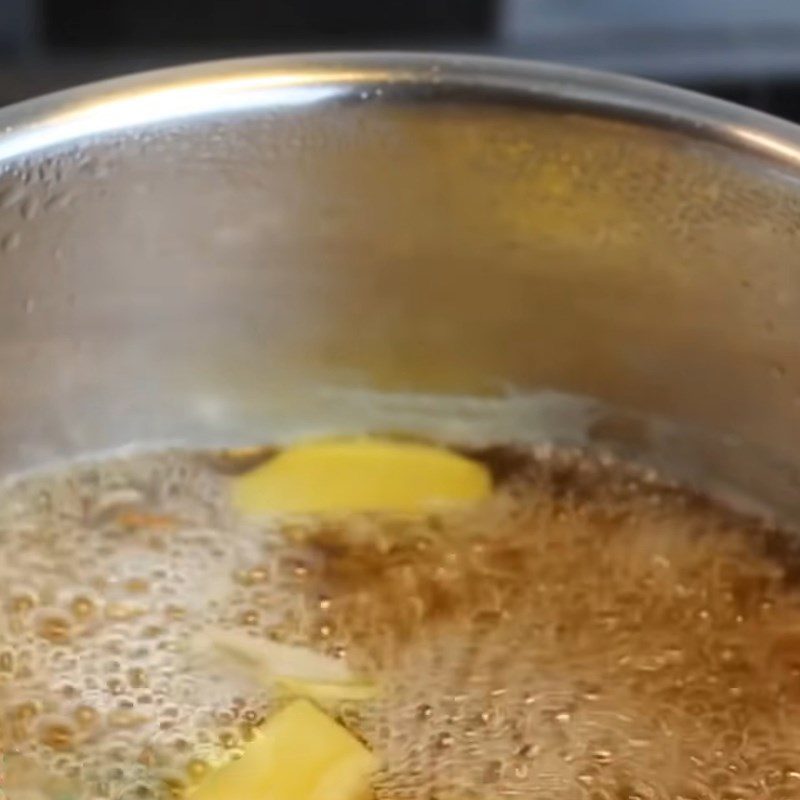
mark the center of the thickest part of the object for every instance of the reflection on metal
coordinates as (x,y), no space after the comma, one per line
(786,151)
(269,84)
(441,227)
(182,100)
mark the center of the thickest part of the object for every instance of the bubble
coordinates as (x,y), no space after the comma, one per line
(86,716)
(22,602)
(444,740)
(138,678)
(249,617)
(125,718)
(197,769)
(137,586)
(53,624)
(82,607)
(56,733)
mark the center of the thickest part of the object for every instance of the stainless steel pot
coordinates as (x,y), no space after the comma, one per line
(255,249)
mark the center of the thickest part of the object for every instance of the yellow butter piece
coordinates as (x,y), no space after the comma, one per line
(362,474)
(296,671)
(327,691)
(299,754)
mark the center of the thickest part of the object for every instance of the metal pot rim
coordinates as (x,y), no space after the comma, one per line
(178,94)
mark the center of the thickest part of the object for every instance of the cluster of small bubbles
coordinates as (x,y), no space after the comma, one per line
(587,633)
(96,609)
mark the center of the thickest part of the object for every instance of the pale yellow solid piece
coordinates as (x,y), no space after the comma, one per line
(296,671)
(364,474)
(327,692)
(299,754)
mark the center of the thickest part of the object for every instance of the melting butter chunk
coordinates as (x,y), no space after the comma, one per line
(362,474)
(299,754)
(294,670)
(327,692)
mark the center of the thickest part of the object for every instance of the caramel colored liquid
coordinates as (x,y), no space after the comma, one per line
(586,633)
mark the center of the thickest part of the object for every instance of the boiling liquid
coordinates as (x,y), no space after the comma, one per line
(586,633)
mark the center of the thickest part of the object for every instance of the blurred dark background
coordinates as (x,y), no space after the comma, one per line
(743,50)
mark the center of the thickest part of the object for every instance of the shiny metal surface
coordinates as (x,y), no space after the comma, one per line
(236,251)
